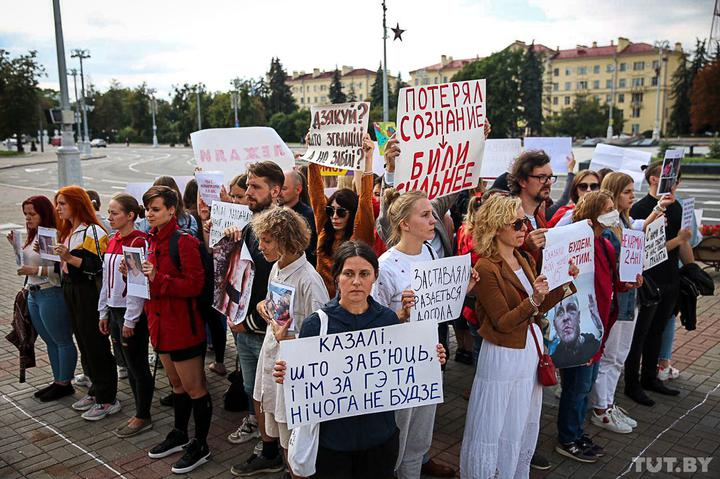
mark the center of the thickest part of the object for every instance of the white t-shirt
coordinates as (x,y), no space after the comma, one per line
(524,281)
(532,220)
(394,276)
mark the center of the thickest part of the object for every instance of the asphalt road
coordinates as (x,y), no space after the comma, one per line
(121,165)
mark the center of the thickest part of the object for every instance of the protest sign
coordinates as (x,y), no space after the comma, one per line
(557,148)
(624,160)
(378,161)
(336,134)
(383,131)
(498,156)
(655,250)
(440,286)
(329,171)
(181,181)
(688,210)
(632,253)
(224,215)
(209,184)
(137,190)
(137,282)
(560,244)
(279,305)
(47,238)
(231,150)
(575,327)
(234,276)
(361,372)
(440,129)
(699,216)
(17,245)
(670,170)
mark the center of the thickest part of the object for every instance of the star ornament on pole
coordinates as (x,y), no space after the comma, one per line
(397,31)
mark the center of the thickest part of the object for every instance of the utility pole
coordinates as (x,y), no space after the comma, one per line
(612,99)
(78,121)
(235,95)
(661,46)
(197,96)
(152,103)
(69,168)
(385,71)
(82,54)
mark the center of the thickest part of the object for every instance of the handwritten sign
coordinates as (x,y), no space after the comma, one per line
(557,148)
(209,184)
(632,253)
(137,282)
(383,131)
(688,210)
(498,156)
(440,286)
(361,372)
(336,133)
(655,250)
(440,129)
(224,215)
(231,150)
(561,243)
(624,160)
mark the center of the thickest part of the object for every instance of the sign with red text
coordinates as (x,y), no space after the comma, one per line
(336,134)
(440,129)
(632,253)
(231,150)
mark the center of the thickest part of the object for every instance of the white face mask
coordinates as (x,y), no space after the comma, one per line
(610,219)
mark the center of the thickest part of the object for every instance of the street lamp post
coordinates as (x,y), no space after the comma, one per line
(78,122)
(612,100)
(69,168)
(197,96)
(661,45)
(385,73)
(153,109)
(82,54)
(235,96)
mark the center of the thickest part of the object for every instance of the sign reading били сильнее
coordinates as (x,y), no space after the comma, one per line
(440,130)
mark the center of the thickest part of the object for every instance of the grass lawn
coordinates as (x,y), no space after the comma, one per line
(5,153)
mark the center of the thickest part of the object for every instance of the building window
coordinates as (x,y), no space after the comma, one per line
(582,85)
(623,67)
(444,79)
(621,98)
(556,72)
(635,112)
(322,87)
(635,128)
(582,70)
(596,69)
(638,81)
(656,64)
(302,100)
(622,83)
(568,71)
(637,97)
(555,100)
(360,85)
(567,86)
(556,87)
(653,81)
(597,97)
(567,100)
(638,66)
(435,80)
(608,98)
(610,68)
(596,84)
(315,88)
(608,83)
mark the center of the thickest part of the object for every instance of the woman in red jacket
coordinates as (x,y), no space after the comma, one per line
(177,332)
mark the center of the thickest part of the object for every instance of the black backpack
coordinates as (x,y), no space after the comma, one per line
(205,298)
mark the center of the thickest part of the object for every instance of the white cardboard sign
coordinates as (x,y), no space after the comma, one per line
(561,244)
(624,160)
(632,253)
(224,215)
(655,250)
(209,184)
(557,148)
(336,135)
(47,238)
(688,210)
(137,282)
(498,156)
(440,286)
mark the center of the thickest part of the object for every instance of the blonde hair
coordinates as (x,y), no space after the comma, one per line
(470,220)
(615,183)
(400,207)
(496,213)
(591,205)
(285,225)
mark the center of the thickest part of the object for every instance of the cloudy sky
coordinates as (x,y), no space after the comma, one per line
(164,42)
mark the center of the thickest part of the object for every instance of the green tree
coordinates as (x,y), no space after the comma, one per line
(336,94)
(531,71)
(19,95)
(501,71)
(376,92)
(586,118)
(352,94)
(220,113)
(279,99)
(682,81)
(110,113)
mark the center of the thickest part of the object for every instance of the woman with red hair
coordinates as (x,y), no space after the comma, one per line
(46,304)
(83,242)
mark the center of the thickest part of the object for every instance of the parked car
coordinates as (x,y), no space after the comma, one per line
(98,143)
(56,140)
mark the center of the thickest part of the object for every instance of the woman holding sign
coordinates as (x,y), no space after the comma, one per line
(364,446)
(122,314)
(503,418)
(344,216)
(46,304)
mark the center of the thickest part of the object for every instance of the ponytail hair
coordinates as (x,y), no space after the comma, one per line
(400,207)
(128,204)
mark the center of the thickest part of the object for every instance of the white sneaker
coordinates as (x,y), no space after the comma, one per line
(674,373)
(607,420)
(82,380)
(84,404)
(622,415)
(122,372)
(247,430)
(99,411)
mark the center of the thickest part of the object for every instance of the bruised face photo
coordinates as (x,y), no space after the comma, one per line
(567,320)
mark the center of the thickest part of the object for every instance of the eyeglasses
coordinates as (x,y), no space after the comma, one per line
(341,212)
(586,186)
(518,224)
(544,179)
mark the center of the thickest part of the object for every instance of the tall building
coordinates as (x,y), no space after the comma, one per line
(627,72)
(439,72)
(310,89)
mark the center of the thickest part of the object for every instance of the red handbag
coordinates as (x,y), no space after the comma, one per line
(546,367)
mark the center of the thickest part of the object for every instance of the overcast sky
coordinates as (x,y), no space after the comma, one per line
(163,42)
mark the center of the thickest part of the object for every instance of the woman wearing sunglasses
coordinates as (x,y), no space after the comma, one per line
(344,216)
(583,183)
(502,424)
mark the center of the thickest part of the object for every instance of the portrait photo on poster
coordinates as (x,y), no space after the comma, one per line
(17,242)
(47,238)
(280,303)
(137,282)
(234,275)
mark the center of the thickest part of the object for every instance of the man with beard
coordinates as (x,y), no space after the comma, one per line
(574,347)
(264,183)
(294,194)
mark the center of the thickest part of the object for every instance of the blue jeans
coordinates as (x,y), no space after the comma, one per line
(577,383)
(248,351)
(50,317)
(666,346)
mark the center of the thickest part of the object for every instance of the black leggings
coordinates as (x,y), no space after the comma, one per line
(218,333)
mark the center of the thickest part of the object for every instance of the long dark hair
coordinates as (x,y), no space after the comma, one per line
(348,200)
(48,216)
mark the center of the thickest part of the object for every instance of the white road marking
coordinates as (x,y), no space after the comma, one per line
(34,170)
